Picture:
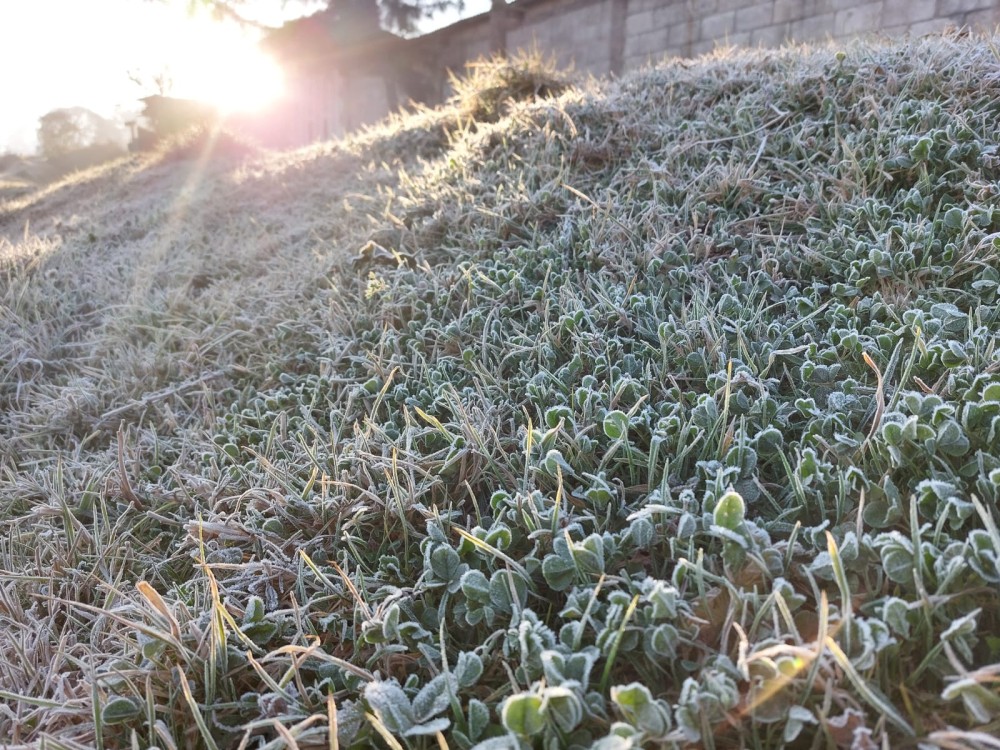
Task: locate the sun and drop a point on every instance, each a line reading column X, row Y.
column 222, row 65
column 238, row 80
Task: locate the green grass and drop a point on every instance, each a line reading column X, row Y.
column 655, row 413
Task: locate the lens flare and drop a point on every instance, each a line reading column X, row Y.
column 221, row 64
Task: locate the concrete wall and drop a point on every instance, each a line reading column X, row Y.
column 575, row 32
column 330, row 98
column 318, row 105
column 612, row 36
column 693, row 27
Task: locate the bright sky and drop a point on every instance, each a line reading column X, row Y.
column 66, row 53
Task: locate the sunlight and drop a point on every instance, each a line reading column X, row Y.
column 240, row 80
column 104, row 49
column 222, row 65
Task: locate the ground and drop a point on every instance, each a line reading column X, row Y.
column 659, row 412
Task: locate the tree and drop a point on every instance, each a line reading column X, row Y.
column 62, row 131
column 75, row 137
column 160, row 81
column 59, row 132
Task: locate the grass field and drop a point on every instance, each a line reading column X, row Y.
column 653, row 413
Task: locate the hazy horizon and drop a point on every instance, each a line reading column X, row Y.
column 88, row 50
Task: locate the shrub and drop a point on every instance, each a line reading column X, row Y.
column 490, row 86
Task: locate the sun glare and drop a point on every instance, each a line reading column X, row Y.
column 222, row 65
column 237, row 80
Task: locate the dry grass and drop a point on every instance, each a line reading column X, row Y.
column 206, row 143
column 490, row 87
column 144, row 278
column 14, row 188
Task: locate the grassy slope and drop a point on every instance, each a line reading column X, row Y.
column 644, row 347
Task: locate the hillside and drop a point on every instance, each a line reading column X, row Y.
column 652, row 413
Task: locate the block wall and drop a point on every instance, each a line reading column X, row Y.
column 602, row 37
column 611, row 36
column 692, row 27
column 573, row 31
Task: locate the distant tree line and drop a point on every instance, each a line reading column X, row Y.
column 74, row 138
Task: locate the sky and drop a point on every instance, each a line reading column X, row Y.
column 67, row 53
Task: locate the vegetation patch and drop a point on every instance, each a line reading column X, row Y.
column 659, row 413
column 490, row 86
column 206, row 142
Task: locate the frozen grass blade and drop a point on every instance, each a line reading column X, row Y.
column 206, row 735
column 871, row 695
column 840, row 576
column 331, row 714
column 616, row 644
column 383, row 732
column 494, row 552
